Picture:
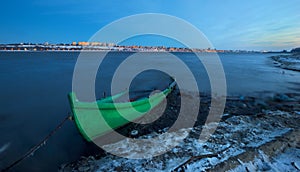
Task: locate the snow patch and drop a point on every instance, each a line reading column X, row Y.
column 231, row 138
column 288, row 161
column 147, row 146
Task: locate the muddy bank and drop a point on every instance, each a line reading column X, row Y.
column 290, row 62
column 247, row 125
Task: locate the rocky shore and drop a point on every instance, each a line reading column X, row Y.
column 290, row 62
column 254, row 134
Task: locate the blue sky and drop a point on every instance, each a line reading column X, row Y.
column 230, row 24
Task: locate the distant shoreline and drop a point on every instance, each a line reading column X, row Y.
column 290, row 62
column 109, row 47
column 125, row 51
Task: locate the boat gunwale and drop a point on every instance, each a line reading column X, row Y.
column 99, row 104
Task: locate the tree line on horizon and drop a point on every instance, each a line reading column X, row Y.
column 295, row 50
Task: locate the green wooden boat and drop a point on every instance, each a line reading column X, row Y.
column 94, row 119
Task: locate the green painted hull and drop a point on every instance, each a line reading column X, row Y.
column 94, row 119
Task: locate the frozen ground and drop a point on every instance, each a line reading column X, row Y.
column 291, row 62
column 289, row 160
column 232, row 140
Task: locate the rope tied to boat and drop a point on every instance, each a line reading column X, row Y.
column 31, row 151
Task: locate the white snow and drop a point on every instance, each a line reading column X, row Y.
column 147, row 146
column 287, row 161
column 232, row 137
column 290, row 60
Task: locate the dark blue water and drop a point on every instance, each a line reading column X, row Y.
column 34, row 88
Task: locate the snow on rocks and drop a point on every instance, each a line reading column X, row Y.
column 233, row 137
column 290, row 62
column 287, row 161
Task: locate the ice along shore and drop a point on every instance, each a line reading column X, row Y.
column 252, row 135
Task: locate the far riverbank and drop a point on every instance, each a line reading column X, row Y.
column 290, row 62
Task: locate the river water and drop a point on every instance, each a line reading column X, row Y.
column 34, row 88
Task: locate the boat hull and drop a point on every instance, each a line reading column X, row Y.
column 94, row 119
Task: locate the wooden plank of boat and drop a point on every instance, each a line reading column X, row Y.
column 94, row 119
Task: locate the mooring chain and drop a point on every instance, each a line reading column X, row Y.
column 39, row 145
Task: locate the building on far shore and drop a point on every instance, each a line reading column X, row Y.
column 100, row 46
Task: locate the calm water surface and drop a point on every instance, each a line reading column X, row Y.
column 34, row 88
